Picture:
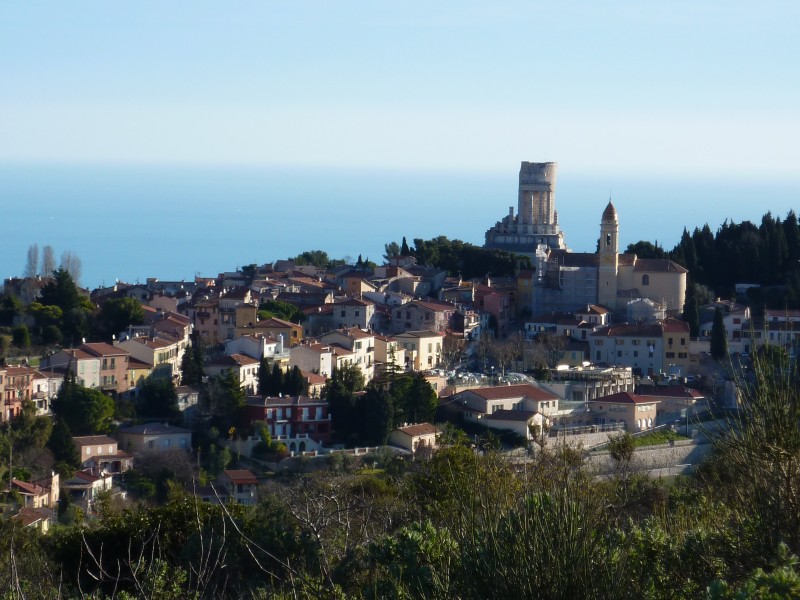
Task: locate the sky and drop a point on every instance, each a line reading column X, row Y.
column 695, row 88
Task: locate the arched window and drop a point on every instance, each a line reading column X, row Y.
column 645, row 279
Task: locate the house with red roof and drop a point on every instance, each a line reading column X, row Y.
column 84, row 486
column 300, row 422
column 414, row 437
column 674, row 398
column 244, row 367
column 101, row 454
column 163, row 353
column 636, row 411
column 477, row 403
column 361, row 345
column 419, row 315
column 239, row 485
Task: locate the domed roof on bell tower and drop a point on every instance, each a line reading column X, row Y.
column 610, row 213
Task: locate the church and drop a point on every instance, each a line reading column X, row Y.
column 568, row 281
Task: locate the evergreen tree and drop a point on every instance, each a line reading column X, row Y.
column 192, row 367
column 791, row 233
column 61, row 291
column 274, row 382
column 85, row 411
column 157, row 399
column 233, row 394
column 294, row 383
column 263, row 376
column 404, row 249
column 117, row 314
column 341, row 392
column 62, row 445
column 377, row 415
column 691, row 310
column 719, row 338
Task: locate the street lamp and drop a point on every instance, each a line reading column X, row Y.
column 493, row 380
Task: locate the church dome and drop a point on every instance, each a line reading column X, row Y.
column 610, row 213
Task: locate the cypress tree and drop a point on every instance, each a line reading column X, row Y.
column 719, row 339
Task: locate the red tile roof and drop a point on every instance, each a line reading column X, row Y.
column 418, row 429
column 625, row 398
column 514, row 391
column 241, row 476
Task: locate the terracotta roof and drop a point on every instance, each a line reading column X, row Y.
column 28, row 488
column 314, row 378
column 673, row 391
column 354, row 302
column 418, row 429
column 270, row 401
column 30, row 516
column 594, row 309
column 102, row 349
column 275, row 322
column 625, row 398
column 93, row 440
column 238, row 360
column 434, row 306
column 675, row 326
column 658, row 265
column 513, row 391
column 356, row 333
column 243, row 476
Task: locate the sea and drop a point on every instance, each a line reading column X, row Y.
column 128, row 223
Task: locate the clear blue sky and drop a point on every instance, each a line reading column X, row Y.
column 691, row 87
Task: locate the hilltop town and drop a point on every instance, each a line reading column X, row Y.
column 229, row 390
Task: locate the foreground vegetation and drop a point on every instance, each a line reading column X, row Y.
column 458, row 525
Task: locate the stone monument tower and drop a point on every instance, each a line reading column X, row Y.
column 536, row 222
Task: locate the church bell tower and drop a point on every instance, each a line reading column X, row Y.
column 609, row 258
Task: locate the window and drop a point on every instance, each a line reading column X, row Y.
column 670, row 355
column 342, row 314
column 683, row 341
column 619, row 353
column 635, row 353
column 669, row 341
column 608, row 239
column 645, row 279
